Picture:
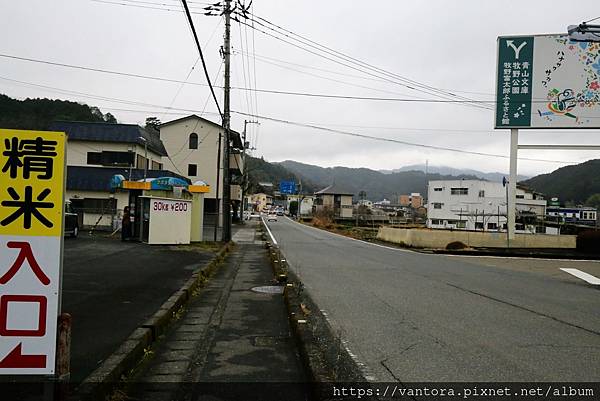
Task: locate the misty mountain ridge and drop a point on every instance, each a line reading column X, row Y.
column 446, row 170
column 376, row 184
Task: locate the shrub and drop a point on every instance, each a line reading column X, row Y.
column 323, row 219
column 456, row 245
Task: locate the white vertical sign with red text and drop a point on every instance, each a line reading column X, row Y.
column 32, row 177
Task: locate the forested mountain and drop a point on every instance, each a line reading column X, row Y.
column 376, row 184
column 259, row 170
column 37, row 114
column 571, row 184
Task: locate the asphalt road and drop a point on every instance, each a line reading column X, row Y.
column 410, row 316
column 111, row 287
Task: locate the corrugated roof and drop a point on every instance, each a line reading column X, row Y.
column 107, row 132
column 98, row 178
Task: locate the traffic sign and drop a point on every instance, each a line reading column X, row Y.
column 547, row 81
column 287, row 187
column 32, row 176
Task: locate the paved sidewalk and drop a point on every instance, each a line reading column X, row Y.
column 233, row 342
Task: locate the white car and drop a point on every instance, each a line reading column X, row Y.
column 272, row 216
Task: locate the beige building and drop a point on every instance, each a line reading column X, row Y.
column 193, row 144
column 260, row 201
column 335, row 199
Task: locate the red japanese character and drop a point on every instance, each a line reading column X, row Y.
column 40, row 331
column 25, row 253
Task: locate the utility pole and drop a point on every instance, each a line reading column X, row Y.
column 244, row 170
column 244, row 177
column 226, row 127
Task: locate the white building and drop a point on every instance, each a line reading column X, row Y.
column 479, row 205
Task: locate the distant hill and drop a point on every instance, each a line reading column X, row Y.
column 571, row 184
column 446, row 170
column 376, row 184
column 260, row 170
column 37, row 114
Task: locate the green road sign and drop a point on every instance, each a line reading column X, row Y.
column 547, row 81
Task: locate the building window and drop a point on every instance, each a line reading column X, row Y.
column 193, row 141
column 94, row 158
column 110, row 158
column 459, row 191
column 520, row 196
column 435, row 222
column 461, row 224
column 438, row 189
column 141, row 162
column 156, row 165
column 492, row 226
column 482, row 194
column 99, row 205
column 437, row 205
column 479, row 225
column 192, row 170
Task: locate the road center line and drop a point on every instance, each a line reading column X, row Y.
column 582, row 275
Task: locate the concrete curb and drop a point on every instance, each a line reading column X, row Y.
column 325, row 359
column 102, row 381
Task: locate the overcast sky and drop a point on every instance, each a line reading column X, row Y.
column 444, row 44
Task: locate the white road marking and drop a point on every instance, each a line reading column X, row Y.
column 269, row 231
column 517, row 257
column 582, row 275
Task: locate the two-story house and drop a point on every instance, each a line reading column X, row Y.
column 194, row 145
column 98, row 151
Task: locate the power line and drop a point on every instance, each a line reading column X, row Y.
column 332, row 79
column 312, row 126
column 248, row 101
column 360, row 62
column 189, row 17
column 194, row 66
column 423, row 88
column 411, row 84
column 270, row 91
column 377, row 138
column 163, row 79
column 252, row 128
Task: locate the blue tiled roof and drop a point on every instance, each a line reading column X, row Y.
column 98, row 178
column 106, row 132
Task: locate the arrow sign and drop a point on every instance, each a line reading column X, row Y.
column 16, row 359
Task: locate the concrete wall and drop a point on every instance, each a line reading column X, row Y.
column 424, row 238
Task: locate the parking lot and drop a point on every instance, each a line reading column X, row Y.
column 111, row 287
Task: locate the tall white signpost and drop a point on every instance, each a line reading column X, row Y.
column 32, row 186
column 544, row 81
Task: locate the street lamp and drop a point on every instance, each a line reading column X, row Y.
column 145, row 156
